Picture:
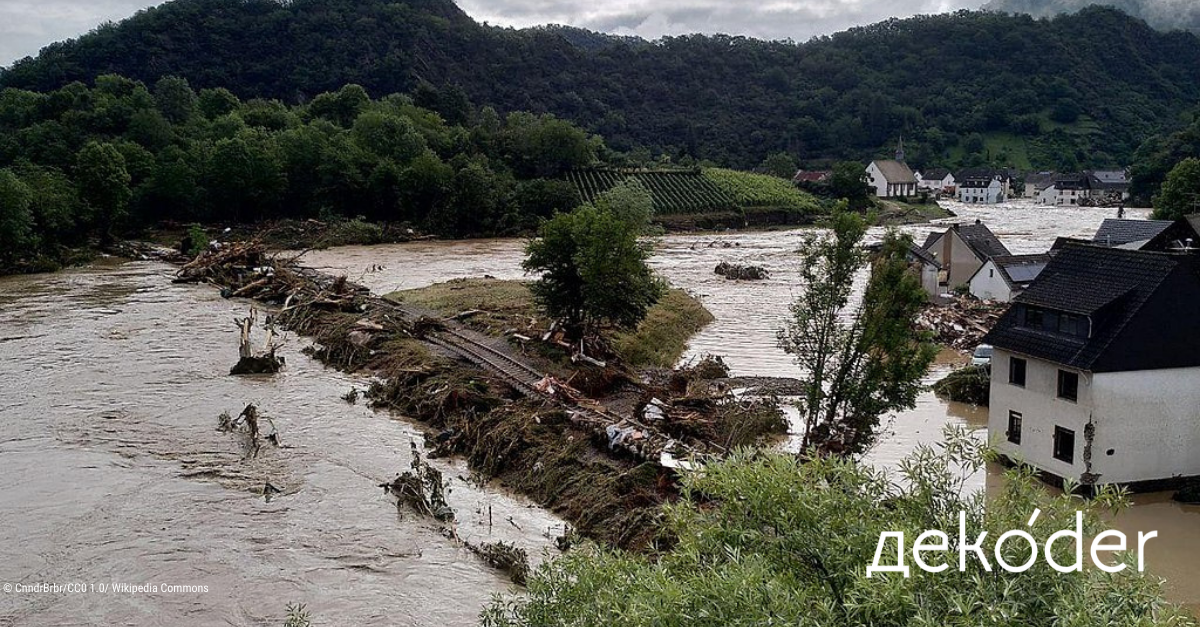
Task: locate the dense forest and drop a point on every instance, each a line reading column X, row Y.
column 85, row 162
column 968, row 88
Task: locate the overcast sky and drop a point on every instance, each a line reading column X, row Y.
column 27, row 25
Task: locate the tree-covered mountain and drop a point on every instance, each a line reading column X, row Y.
column 1161, row 14
column 967, row 88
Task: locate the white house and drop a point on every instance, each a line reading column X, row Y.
column 962, row 250
column 1037, row 182
column 891, row 178
column 981, row 190
column 1002, row 278
column 1096, row 369
column 936, row 181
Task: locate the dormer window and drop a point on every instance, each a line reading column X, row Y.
column 1060, row 323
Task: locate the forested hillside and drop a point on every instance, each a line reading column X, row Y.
column 968, row 88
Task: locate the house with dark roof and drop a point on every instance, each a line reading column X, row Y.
column 986, row 190
column 927, row 267
column 812, row 176
column 1123, row 233
column 1108, row 185
column 1004, row 176
column 1004, row 277
column 1096, row 368
column 1035, row 182
column 1068, row 190
column 937, row 181
column 962, row 249
column 1182, row 236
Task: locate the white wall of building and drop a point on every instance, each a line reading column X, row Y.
column 958, row 262
column 877, row 180
column 1040, row 411
column 992, row 194
column 1149, row 419
column 989, row 284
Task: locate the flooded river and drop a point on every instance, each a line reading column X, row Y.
column 111, row 469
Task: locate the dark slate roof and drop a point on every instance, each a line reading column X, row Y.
column 924, row 255
column 935, row 175
column 1114, row 232
column 1112, row 288
column 931, row 238
column 982, row 241
column 1020, row 270
column 982, row 173
column 896, row 172
column 1040, row 180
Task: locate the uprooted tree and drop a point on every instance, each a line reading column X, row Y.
column 861, row 361
column 593, row 268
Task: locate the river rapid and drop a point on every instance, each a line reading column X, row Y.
column 112, row 470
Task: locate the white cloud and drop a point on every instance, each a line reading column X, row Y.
column 28, row 25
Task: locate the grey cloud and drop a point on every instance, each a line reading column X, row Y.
column 772, row 19
column 26, row 26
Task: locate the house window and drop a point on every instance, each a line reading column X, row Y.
column 1064, row 445
column 1014, row 427
column 991, row 273
column 1016, row 371
column 1068, row 385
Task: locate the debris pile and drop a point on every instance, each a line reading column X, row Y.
column 741, row 273
column 260, row 362
column 961, row 323
column 248, row 423
column 504, row 557
column 423, row 489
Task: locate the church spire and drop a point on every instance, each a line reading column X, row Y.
column 900, row 150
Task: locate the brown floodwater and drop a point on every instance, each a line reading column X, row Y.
column 749, row 314
column 112, row 471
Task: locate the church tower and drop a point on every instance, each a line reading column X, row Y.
column 900, row 150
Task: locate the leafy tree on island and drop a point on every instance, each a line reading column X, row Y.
column 848, row 182
column 863, row 361
column 1180, row 195
column 593, row 268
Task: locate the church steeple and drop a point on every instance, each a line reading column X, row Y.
column 900, row 150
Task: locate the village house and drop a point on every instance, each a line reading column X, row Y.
column 1004, row 277
column 936, row 181
column 1133, row 234
column 1182, row 235
column 927, row 267
column 1108, row 186
column 962, row 250
column 812, row 176
column 1068, row 190
column 986, row 190
column 978, row 174
column 1095, row 375
column 1036, row 182
column 890, row 178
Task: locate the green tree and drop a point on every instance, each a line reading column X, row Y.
column 848, row 182
column 1180, row 195
column 767, row 539
column 175, row 99
column 103, row 185
column 389, row 136
column 16, row 219
column 214, row 103
column 593, row 269
column 630, row 202
column 244, row 178
column 860, row 369
column 780, row 164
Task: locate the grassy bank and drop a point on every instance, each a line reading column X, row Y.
column 894, row 212
column 493, row 306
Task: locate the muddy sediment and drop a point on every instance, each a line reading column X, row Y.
column 599, row 470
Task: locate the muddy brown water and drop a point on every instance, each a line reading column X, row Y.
column 112, row 471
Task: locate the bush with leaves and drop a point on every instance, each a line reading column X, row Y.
column 593, row 268
column 767, row 539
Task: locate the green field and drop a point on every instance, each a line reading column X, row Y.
column 695, row 191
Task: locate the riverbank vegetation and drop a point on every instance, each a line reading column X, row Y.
column 769, row 539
